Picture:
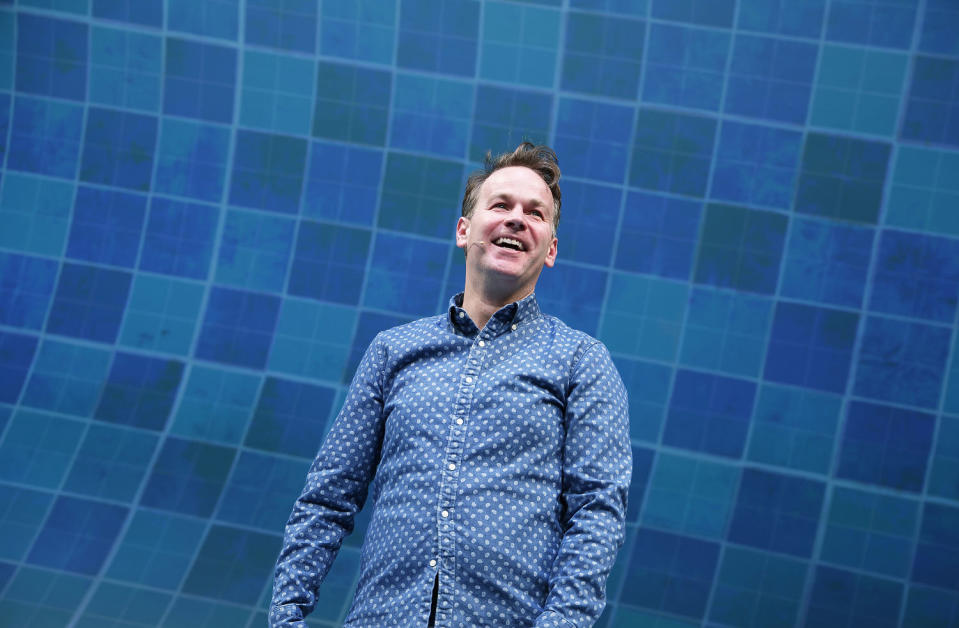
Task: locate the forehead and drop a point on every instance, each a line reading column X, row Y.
column 518, row 182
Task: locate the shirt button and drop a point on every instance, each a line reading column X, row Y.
column 445, row 513
column 452, row 467
column 513, row 326
column 433, row 563
column 469, row 380
column 482, row 344
column 461, row 315
column 459, row 421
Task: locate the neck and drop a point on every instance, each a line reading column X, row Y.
column 482, row 305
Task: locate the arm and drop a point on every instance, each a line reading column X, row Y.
column 596, row 471
column 335, row 490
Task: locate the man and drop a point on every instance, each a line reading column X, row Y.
column 495, row 437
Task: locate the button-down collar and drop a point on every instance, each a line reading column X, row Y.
column 510, row 316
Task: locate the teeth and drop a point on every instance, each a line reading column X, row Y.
column 509, row 241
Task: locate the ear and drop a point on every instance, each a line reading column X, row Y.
column 462, row 231
column 551, row 253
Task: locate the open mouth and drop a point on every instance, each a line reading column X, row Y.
column 509, row 243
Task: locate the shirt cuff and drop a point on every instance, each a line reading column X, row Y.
column 287, row 616
column 552, row 619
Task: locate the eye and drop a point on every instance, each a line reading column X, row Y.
column 500, row 205
column 537, row 213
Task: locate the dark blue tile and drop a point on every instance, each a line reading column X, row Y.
column 51, row 57
column 77, row 535
column 756, row 164
column 902, row 362
column 246, row 556
column 741, row 248
column 285, row 25
column 406, row 274
column 811, row 346
column 140, row 391
column 89, row 302
column 587, row 232
column 188, row 477
column 842, row 177
column 352, row 103
column 843, row 598
column 215, row 19
column 342, row 183
column 827, row 262
column 802, row 18
column 777, row 512
column 179, row 238
column 709, row 413
column 658, row 235
column 672, row 151
column 290, row 417
column 106, row 227
column 603, row 54
column 144, row 12
column 268, row 171
column 916, row 275
column 506, row 116
column 593, row 138
column 574, row 294
column 191, row 159
column 329, row 262
column 118, row 149
column 238, row 327
column 685, row 66
column 872, row 22
column 770, row 78
column 26, row 287
column 417, row 192
column 671, row 573
column 885, row 445
column 16, row 354
column 45, row 136
column 199, row 80
column 939, row 27
column 439, row 37
column 937, row 555
column 704, row 12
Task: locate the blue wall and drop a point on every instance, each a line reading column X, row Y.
column 207, row 209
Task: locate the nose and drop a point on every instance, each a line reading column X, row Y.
column 516, row 219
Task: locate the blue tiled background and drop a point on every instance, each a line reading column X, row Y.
column 208, row 208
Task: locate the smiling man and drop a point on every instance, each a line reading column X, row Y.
column 494, row 438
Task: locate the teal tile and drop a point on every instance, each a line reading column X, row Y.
column 643, row 316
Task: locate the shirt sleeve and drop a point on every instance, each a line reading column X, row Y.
column 336, row 488
column 597, row 466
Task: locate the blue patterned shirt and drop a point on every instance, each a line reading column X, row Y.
column 499, row 462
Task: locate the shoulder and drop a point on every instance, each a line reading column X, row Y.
column 575, row 342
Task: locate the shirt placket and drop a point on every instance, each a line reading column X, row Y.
column 445, row 512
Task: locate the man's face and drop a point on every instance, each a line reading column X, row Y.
column 510, row 235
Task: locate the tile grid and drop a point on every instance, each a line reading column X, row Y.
column 611, row 266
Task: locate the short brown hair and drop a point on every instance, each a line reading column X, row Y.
column 540, row 159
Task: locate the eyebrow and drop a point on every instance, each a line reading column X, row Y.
column 506, row 196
